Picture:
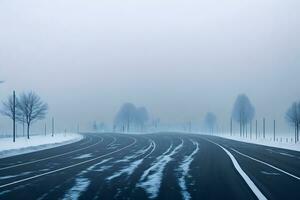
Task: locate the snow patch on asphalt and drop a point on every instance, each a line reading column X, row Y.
column 270, row 173
column 80, row 186
column 128, row 170
column 92, row 168
column 184, row 169
column 35, row 143
column 88, row 155
column 151, row 178
column 135, row 155
column 14, row 176
column 82, row 183
column 282, row 153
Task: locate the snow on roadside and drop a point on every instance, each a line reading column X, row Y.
column 283, row 144
column 184, row 169
column 35, row 143
column 151, row 178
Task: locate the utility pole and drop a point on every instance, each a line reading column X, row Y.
column 256, row 129
column 296, row 130
column 264, row 128
column 45, row 129
column 246, row 130
column 52, row 126
column 14, row 116
column 23, row 123
column 240, row 128
column 274, row 137
column 251, row 130
column 231, row 126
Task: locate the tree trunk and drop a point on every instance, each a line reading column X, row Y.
column 274, row 136
column 256, row 129
column 240, row 128
column 28, row 129
column 297, row 132
column 128, row 124
column 23, row 127
column 264, row 128
column 231, row 126
column 14, row 116
column 244, row 126
column 246, row 130
column 250, row 130
column 295, row 136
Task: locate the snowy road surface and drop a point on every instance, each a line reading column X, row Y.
column 152, row 166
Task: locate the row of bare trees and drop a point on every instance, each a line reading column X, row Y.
column 243, row 113
column 26, row 108
column 293, row 118
column 130, row 117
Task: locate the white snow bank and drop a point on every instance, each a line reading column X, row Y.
column 35, row 143
column 283, row 142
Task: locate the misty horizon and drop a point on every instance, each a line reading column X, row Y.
column 86, row 60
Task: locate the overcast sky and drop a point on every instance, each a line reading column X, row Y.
column 178, row 58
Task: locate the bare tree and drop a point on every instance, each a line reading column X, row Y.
column 210, row 121
column 293, row 118
column 95, row 126
column 141, row 117
column 243, row 112
column 33, row 108
column 129, row 115
column 10, row 109
column 125, row 116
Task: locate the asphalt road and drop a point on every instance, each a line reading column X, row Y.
column 152, row 166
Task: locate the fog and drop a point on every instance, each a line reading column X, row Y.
column 180, row 59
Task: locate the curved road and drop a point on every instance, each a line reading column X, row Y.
column 152, row 166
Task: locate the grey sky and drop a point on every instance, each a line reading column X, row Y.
column 178, row 58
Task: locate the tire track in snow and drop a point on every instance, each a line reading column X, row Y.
column 128, row 170
column 69, row 166
column 184, row 169
column 82, row 183
column 152, row 177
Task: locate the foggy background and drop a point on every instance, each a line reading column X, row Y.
column 178, row 58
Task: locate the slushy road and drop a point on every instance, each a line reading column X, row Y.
column 152, row 166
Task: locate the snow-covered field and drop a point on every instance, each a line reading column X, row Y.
column 281, row 142
column 35, row 143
